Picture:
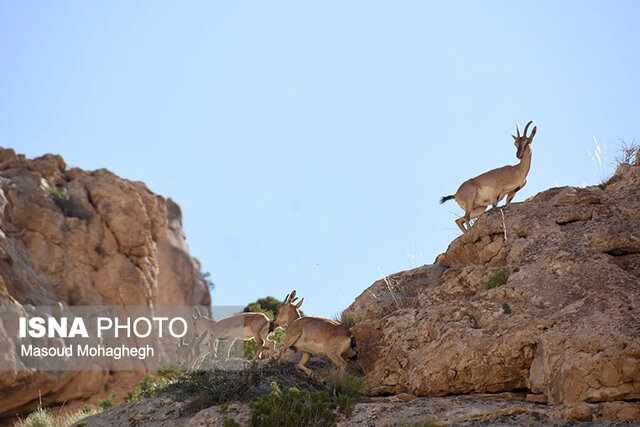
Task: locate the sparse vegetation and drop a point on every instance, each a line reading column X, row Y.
column 41, row 417
column 230, row 422
column 346, row 318
column 345, row 383
column 506, row 309
column 293, row 408
column 109, row 402
column 628, row 153
column 67, row 204
column 497, row 279
column 38, row 418
column 149, row 386
column 348, row 388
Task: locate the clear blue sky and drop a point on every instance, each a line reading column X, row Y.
column 308, row 142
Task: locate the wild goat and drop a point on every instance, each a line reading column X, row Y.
column 313, row 335
column 240, row 326
column 475, row 194
column 190, row 352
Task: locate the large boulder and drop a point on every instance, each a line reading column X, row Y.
column 565, row 326
column 84, row 238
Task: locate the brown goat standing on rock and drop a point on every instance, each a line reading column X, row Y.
column 313, row 335
column 475, row 194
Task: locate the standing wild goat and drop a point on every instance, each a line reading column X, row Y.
column 475, row 194
column 240, row 326
column 313, row 335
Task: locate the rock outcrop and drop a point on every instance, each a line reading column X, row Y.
column 84, row 238
column 565, row 326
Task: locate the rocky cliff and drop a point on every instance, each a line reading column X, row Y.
column 84, row 238
column 541, row 297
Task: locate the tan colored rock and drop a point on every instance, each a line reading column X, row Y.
column 573, row 331
column 84, row 238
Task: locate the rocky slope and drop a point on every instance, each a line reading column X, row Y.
column 564, row 328
column 84, row 238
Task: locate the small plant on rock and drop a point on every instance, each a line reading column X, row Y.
column 497, row 279
column 109, row 402
column 506, row 309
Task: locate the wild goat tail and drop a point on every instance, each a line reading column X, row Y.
column 445, row 198
column 353, row 342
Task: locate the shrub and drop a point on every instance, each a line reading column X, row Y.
column 346, row 318
column 149, row 386
column 346, row 403
column 345, row 383
column 68, row 206
column 293, row 408
column 497, row 279
column 109, row 402
column 628, row 153
column 230, row 422
column 506, row 309
column 38, row 418
column 74, row 417
column 42, row 418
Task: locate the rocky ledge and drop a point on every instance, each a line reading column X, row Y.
column 540, row 297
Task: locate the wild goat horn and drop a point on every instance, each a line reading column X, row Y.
column 527, row 127
column 286, row 299
column 518, row 129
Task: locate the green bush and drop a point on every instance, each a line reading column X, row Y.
column 293, row 408
column 109, row 402
column 346, row 403
column 149, row 386
column 506, row 309
column 345, row 383
column 497, row 279
column 230, row 422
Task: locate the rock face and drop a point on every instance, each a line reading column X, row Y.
column 84, row 238
column 565, row 326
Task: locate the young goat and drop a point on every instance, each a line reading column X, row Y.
column 475, row 194
column 240, row 326
column 313, row 335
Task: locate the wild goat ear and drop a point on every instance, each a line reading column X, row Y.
column 300, row 303
column 514, row 137
column 533, row 132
